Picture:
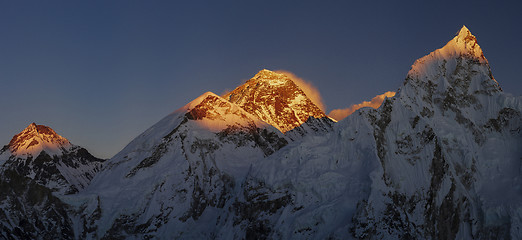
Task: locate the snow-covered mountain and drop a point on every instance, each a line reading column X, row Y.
column 449, row 148
column 39, row 153
column 442, row 159
column 277, row 100
column 36, row 138
column 37, row 167
column 178, row 174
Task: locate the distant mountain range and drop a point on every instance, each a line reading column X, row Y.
column 442, row 159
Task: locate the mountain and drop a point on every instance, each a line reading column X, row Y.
column 439, row 160
column 449, row 151
column 37, row 167
column 39, row 153
column 36, row 138
column 181, row 172
column 277, row 100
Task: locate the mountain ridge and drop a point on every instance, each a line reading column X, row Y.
column 439, row 160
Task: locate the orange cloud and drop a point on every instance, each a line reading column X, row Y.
column 339, row 114
column 308, row 88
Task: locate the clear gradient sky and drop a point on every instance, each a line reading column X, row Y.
column 102, row 72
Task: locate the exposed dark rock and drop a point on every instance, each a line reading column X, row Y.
column 32, row 208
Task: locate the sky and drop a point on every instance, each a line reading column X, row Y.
column 101, row 72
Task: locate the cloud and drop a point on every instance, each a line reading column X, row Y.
column 339, row 114
column 308, row 88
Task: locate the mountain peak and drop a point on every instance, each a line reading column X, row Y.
column 215, row 113
column 271, row 77
column 467, row 42
column 36, row 138
column 32, row 127
column 267, row 73
column 464, row 33
column 196, row 102
column 456, row 73
column 464, row 43
column 276, row 99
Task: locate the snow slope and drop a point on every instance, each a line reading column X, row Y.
column 179, row 173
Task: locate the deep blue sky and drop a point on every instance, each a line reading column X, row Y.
column 101, row 72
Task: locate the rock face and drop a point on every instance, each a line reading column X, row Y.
column 276, row 99
column 29, row 210
column 439, row 160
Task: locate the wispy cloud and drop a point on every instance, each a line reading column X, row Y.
column 339, row 114
column 308, row 88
